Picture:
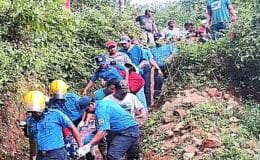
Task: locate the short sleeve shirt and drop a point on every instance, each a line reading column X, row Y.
column 69, row 107
column 107, row 74
column 160, row 54
column 135, row 54
column 130, row 103
column 47, row 132
column 122, row 59
column 219, row 10
column 111, row 116
column 100, row 94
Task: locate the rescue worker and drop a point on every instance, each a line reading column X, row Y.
column 45, row 128
column 121, row 128
column 65, row 101
column 104, row 71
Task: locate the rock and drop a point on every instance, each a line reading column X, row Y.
column 175, row 140
column 198, row 132
column 197, row 142
column 210, row 143
column 167, row 119
column 193, row 99
column 234, row 119
column 190, row 149
column 169, row 113
column 169, row 133
column 167, row 107
column 213, row 92
column 180, row 112
column 226, row 96
column 179, row 126
column 187, row 156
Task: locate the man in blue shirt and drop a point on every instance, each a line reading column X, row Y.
column 218, row 14
column 160, row 53
column 104, row 71
column 122, row 130
column 66, row 102
column 45, row 128
column 138, row 58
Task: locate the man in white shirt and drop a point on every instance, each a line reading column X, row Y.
column 171, row 32
column 127, row 100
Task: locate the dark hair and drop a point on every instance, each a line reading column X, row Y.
column 130, row 67
column 171, row 21
column 112, row 82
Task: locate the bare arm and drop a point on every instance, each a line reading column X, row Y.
column 88, row 117
column 32, row 149
column 98, row 137
column 232, row 12
column 76, row 135
column 208, row 18
column 89, row 85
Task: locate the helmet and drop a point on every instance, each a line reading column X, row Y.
column 100, row 60
column 58, row 88
column 35, row 101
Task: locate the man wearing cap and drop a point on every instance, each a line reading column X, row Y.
column 115, row 55
column 104, row 71
column 171, row 32
column 121, row 128
column 127, row 100
column 138, row 58
column 160, row 53
column 147, row 23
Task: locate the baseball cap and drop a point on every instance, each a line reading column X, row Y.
column 84, row 102
column 124, row 39
column 100, row 59
column 123, row 86
column 110, row 43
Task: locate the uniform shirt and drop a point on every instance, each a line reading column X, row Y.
column 135, row 53
column 100, row 94
column 160, row 54
column 130, row 103
column 47, row 132
column 121, row 58
column 111, row 116
column 218, row 9
column 106, row 74
column 69, row 107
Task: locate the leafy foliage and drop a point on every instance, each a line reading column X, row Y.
column 231, row 63
column 41, row 41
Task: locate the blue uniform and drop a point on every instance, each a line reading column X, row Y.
column 47, row 132
column 147, row 54
column 112, row 116
column 123, row 132
column 100, row 94
column 135, row 54
column 218, row 10
column 69, row 107
column 160, row 54
column 107, row 74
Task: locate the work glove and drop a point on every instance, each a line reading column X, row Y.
column 81, row 124
column 82, row 151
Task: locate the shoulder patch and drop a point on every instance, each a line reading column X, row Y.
column 101, row 122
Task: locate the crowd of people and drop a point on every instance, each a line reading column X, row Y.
column 64, row 125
